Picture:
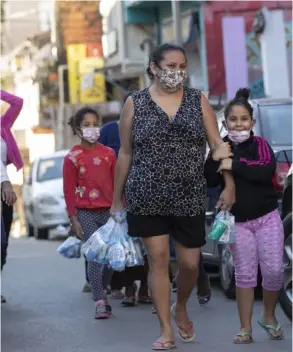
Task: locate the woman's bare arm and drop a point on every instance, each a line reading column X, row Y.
column 125, row 153
column 227, row 197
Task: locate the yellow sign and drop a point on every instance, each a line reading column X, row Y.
column 92, row 85
column 75, row 53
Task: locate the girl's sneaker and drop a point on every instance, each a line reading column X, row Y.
column 102, row 311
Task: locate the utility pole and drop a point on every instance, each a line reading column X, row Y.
column 176, row 16
column 59, row 131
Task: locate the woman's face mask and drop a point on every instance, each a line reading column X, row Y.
column 171, row 80
column 90, row 134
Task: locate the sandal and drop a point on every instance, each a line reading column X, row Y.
column 128, row 301
column 243, row 334
column 186, row 335
column 117, row 294
column 144, row 300
column 154, row 311
column 268, row 327
column 204, row 300
column 163, row 346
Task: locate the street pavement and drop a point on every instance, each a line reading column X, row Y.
column 47, row 312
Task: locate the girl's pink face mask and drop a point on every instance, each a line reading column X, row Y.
column 91, row 134
column 238, row 136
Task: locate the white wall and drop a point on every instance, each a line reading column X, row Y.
column 22, row 22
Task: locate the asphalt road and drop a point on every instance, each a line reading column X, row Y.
column 46, row 312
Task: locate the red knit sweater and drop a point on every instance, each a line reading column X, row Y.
column 88, row 178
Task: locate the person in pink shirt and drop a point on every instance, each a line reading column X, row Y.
column 10, row 154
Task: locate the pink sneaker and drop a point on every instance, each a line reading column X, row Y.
column 101, row 310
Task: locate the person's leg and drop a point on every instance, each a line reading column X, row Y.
column 88, row 221
column 186, row 278
column 270, row 240
column 203, row 283
column 87, row 286
column 3, row 250
column 159, row 283
column 244, row 252
column 6, row 223
column 7, row 213
column 117, row 285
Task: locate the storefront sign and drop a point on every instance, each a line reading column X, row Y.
column 75, row 53
column 92, row 85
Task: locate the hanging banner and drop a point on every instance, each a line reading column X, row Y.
column 75, row 53
column 92, row 85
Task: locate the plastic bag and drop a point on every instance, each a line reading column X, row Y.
column 96, row 247
column 134, row 255
column 223, row 229
column 111, row 245
column 70, row 248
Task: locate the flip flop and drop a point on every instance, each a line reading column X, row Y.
column 128, row 302
column 243, row 342
column 163, row 346
column 268, row 327
column 184, row 334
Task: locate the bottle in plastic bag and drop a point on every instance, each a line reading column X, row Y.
column 219, row 227
column 116, row 257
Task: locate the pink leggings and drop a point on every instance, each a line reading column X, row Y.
column 259, row 241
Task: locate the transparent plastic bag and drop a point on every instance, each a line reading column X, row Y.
column 70, row 248
column 96, row 247
column 223, row 229
column 134, row 256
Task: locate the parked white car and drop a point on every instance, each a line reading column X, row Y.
column 43, row 197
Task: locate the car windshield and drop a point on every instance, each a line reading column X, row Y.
column 50, row 169
column 276, row 122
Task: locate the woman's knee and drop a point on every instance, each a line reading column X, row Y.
column 273, row 277
column 158, row 260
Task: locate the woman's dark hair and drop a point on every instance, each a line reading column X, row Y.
column 158, row 55
column 75, row 121
column 241, row 98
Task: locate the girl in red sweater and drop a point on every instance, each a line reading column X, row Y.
column 88, row 175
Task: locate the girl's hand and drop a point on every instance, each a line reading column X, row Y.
column 76, row 227
column 8, row 194
column 223, row 151
column 226, row 164
column 227, row 199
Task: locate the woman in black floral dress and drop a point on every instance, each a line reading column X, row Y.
column 160, row 170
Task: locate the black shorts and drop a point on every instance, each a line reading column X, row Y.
column 187, row 230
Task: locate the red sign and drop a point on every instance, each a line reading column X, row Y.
column 94, row 50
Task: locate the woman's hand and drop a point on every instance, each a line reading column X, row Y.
column 226, row 164
column 117, row 211
column 8, row 194
column 227, row 198
column 76, row 227
column 223, row 151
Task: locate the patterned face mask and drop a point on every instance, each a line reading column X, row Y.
column 172, row 80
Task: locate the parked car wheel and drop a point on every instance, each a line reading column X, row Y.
column 41, row 234
column 286, row 292
column 227, row 274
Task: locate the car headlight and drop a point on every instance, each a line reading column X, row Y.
column 47, row 201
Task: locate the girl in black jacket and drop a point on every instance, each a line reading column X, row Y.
column 259, row 230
